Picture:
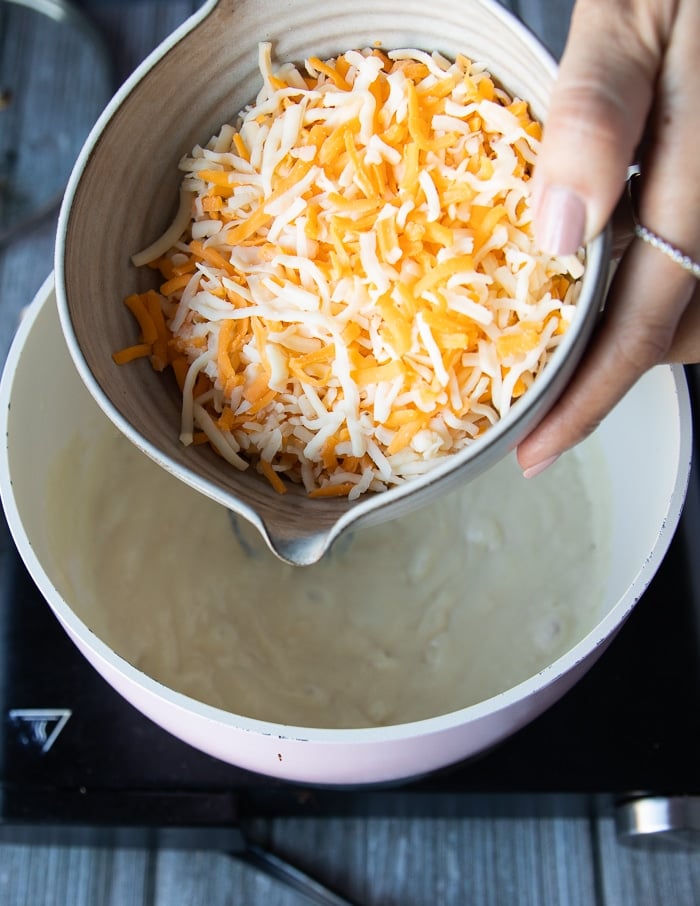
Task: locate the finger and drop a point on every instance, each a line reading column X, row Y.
column 596, row 119
column 631, row 339
column 685, row 348
column 670, row 180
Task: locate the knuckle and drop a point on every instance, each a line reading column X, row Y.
column 642, row 345
column 595, row 113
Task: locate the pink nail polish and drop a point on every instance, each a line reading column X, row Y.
column 531, row 471
column 560, row 221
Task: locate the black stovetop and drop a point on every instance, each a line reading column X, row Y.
column 74, row 754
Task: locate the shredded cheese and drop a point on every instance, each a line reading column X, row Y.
column 351, row 290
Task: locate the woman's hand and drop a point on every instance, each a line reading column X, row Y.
column 629, row 86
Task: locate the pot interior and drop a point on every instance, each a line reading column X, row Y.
column 450, row 606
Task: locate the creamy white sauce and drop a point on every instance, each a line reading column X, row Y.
column 444, row 608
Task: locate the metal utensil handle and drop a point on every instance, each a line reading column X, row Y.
column 275, row 867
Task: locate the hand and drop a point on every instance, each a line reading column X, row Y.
column 629, row 79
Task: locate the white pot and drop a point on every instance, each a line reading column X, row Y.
column 646, row 443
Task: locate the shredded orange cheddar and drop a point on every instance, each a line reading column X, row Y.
column 137, row 306
column 272, row 477
column 131, row 353
column 333, row 490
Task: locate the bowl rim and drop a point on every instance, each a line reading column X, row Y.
column 602, row 632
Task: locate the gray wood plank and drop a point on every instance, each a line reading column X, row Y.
column 215, row 879
column 55, row 81
column 548, row 19
column 446, row 862
column 133, row 30
column 655, row 875
column 23, row 268
column 410, row 862
column 79, row 876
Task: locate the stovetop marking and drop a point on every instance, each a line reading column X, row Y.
column 33, row 725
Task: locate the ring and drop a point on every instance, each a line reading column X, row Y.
column 652, row 239
column 656, row 241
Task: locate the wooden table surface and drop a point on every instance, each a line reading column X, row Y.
column 392, row 862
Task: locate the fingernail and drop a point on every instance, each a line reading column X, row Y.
column 540, row 466
column 560, row 221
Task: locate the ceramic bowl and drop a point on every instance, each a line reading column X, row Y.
column 125, row 186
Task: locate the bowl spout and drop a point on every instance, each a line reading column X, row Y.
column 286, row 541
column 299, row 550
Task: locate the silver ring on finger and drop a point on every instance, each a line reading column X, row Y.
column 654, row 240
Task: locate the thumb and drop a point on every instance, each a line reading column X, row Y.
column 596, row 118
